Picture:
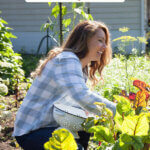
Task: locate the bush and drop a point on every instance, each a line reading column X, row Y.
column 10, row 62
column 3, row 89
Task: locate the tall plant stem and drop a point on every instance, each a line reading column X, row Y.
column 133, row 63
column 60, row 22
column 127, row 74
column 88, row 8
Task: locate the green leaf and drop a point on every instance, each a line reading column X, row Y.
column 123, row 106
column 10, row 35
column 136, row 125
column 64, row 10
column 66, row 22
column 109, row 112
column 118, row 121
column 137, row 142
column 85, row 15
column 3, row 21
column 102, row 134
column 55, row 10
column 121, row 98
column 74, row 5
column 146, row 139
column 79, row 5
column 49, row 4
column 90, row 17
column 88, row 123
column 126, row 142
column 61, row 139
column 138, row 110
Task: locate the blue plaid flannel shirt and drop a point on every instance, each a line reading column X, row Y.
column 62, row 77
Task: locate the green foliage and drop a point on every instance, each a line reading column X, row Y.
column 61, row 139
column 104, row 119
column 69, row 17
column 102, row 133
column 124, row 106
column 136, row 125
column 89, row 122
column 127, row 142
column 128, row 131
column 30, row 62
column 10, row 62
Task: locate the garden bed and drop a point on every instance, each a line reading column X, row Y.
column 114, row 80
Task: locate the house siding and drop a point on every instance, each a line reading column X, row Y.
column 27, row 18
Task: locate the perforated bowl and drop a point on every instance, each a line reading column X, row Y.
column 69, row 117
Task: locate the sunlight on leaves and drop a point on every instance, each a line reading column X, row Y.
column 61, row 139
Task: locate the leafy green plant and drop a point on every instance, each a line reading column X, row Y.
column 61, row 139
column 130, row 131
column 10, row 62
column 69, row 17
column 29, row 63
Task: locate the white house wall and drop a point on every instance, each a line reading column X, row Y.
column 27, row 18
column 117, row 15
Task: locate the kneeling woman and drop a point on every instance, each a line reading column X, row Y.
column 62, row 74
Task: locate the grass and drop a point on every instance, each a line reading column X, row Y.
column 30, row 63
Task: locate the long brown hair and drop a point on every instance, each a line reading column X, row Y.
column 77, row 43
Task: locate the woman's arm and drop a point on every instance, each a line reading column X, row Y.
column 69, row 77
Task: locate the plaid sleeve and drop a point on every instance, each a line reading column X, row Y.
column 69, row 77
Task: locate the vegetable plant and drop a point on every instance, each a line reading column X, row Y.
column 61, row 139
column 129, row 130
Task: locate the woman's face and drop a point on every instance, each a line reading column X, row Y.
column 96, row 45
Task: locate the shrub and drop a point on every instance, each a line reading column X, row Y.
column 10, row 62
column 3, row 89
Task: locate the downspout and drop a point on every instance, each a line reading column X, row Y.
column 143, row 33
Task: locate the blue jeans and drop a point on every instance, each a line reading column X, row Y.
column 36, row 139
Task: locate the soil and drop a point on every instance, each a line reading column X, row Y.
column 7, row 142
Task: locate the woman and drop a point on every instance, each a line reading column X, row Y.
column 62, row 73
